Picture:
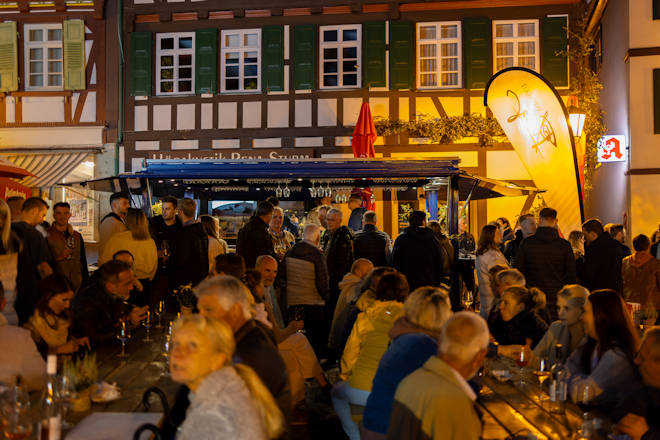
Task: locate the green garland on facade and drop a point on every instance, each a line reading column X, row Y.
column 443, row 130
column 586, row 85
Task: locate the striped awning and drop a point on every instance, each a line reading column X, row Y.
column 48, row 165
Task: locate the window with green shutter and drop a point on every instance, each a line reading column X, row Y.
column 272, row 65
column 8, row 57
column 477, row 52
column 402, row 55
column 304, row 57
column 141, row 50
column 656, row 101
column 555, row 43
column 206, row 60
column 74, row 54
column 373, row 54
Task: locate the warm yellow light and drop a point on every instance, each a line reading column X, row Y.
column 576, row 118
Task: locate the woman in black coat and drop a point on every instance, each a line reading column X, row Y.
column 518, row 323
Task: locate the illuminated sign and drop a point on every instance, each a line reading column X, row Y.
column 535, row 121
column 612, row 148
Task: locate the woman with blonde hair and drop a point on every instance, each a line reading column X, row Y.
column 9, row 247
column 217, row 246
column 414, row 340
column 488, row 255
column 227, row 400
column 139, row 243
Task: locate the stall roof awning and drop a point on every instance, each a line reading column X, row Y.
column 216, row 179
column 49, row 165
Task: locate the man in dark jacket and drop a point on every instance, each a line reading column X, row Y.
column 618, row 232
column 417, row 253
column 528, row 227
column 547, row 260
column 372, row 244
column 224, row 297
column 357, row 212
column 99, row 307
column 602, row 258
column 164, row 229
column 189, row 262
column 338, row 252
column 639, row 414
column 253, row 238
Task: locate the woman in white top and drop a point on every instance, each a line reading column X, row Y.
column 217, row 246
column 138, row 242
column 488, row 255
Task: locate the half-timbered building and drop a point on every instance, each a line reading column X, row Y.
column 53, row 95
column 276, row 79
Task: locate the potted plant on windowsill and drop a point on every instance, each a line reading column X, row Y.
column 82, row 374
column 186, row 298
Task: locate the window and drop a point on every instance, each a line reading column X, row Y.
column 340, row 56
column 438, row 57
column 43, row 56
column 516, row 44
column 175, row 55
column 241, row 60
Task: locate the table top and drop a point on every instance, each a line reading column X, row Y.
column 510, row 410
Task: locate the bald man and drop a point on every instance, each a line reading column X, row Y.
column 267, row 266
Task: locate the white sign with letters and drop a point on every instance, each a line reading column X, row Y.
column 612, row 148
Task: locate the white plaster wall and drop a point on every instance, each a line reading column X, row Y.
column 146, row 145
column 252, row 114
column 644, row 31
column 185, row 117
column 162, row 117
column 327, row 111
column 89, row 109
column 10, row 106
column 207, row 116
column 351, row 111
column 227, row 114
column 380, row 107
column 185, row 144
column 303, row 111
column 505, row 165
column 140, row 117
column 267, row 143
column 309, row 141
column 644, row 206
column 278, row 114
column 226, row 143
column 49, row 136
column 644, row 144
column 43, row 109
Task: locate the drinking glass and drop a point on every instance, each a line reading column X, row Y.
column 522, row 359
column 70, row 243
column 165, row 246
column 542, row 374
column 467, row 299
column 123, row 335
column 64, row 391
column 17, row 423
column 160, row 311
column 299, row 315
column 147, row 325
column 165, row 352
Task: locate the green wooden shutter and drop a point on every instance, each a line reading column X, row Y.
column 206, row 60
column 272, row 59
column 8, row 57
column 555, row 41
column 656, row 101
column 477, row 52
column 304, row 56
column 373, row 54
column 141, row 61
column 402, row 55
column 74, row 54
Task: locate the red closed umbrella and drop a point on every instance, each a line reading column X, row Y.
column 363, row 140
column 364, row 134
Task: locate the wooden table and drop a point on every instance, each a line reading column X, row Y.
column 144, row 367
column 510, row 410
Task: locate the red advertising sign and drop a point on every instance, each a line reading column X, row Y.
column 11, row 188
column 612, row 148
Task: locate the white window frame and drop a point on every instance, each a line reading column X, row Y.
column 438, row 41
column 241, row 63
column 339, row 45
column 175, row 52
column 515, row 40
column 45, row 45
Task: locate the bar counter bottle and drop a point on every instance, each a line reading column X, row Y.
column 51, row 417
column 559, row 384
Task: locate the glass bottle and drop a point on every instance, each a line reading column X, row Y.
column 51, row 418
column 559, row 385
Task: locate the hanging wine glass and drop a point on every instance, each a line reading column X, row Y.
column 286, row 191
column 312, row 190
column 344, row 198
column 278, row 191
column 338, row 198
column 373, row 198
column 328, row 191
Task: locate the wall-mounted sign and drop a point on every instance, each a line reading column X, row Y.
column 535, row 121
column 612, row 148
column 257, row 153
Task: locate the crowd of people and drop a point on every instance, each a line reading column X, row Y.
column 296, row 300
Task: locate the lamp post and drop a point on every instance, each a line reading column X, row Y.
column 576, row 117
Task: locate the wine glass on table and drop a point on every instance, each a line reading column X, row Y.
column 17, row 423
column 467, row 299
column 299, row 315
column 160, row 311
column 123, row 335
column 64, row 391
column 542, row 374
column 522, row 359
column 147, row 325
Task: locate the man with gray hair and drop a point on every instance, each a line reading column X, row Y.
column 226, row 298
column 306, row 277
column 435, row 401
